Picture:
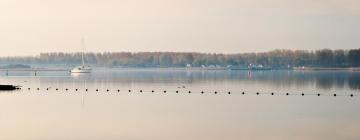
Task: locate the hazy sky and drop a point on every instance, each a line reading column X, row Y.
column 28, row 27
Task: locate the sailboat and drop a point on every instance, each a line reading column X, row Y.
column 83, row 68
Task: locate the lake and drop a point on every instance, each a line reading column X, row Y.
column 143, row 104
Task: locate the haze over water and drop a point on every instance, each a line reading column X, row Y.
column 40, row 114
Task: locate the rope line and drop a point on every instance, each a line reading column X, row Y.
column 193, row 91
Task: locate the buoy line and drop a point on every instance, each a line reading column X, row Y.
column 183, row 91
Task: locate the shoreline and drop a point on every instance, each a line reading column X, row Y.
column 354, row 69
column 327, row 69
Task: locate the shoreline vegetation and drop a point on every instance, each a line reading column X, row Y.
column 352, row 69
column 324, row 59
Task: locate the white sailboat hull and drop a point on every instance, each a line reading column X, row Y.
column 81, row 69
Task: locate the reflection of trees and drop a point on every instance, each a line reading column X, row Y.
column 321, row 80
column 326, row 81
column 354, row 81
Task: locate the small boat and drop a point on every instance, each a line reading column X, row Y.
column 83, row 68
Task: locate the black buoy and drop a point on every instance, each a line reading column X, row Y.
column 76, row 89
column 272, row 93
column 47, row 88
column 164, row 91
column 202, row 92
column 66, row 89
column 56, row 89
column 152, row 91
column 351, row 95
column 28, row 88
column 86, row 89
column 177, row 91
column 97, row 90
column 243, row 93
column 118, row 90
column 302, row 94
column 318, row 94
column 129, row 90
column 334, row 95
column 140, row 91
column 189, row 91
column 287, row 93
column 107, row 90
column 257, row 93
column 38, row 88
column 215, row 92
column 229, row 92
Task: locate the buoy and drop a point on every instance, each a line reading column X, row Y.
column 28, row 88
column 152, row 91
column 287, row 93
column 66, row 89
column 140, row 90
column 229, row 92
column 129, row 90
column 272, row 93
column 351, row 95
column 164, row 91
column 97, row 90
column 107, row 90
column 243, row 93
column 189, row 91
column 302, row 94
column 202, row 92
column 177, row 91
column 86, row 89
column 318, row 94
column 215, row 92
column 56, row 89
column 334, row 95
column 38, row 89
column 76, row 89
column 118, row 90
column 257, row 93
column 47, row 88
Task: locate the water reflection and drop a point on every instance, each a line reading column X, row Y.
column 318, row 80
column 91, row 115
column 277, row 79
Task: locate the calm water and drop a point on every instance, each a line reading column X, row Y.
column 62, row 115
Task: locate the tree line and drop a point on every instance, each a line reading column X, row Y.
column 273, row 59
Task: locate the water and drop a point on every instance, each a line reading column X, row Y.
column 61, row 115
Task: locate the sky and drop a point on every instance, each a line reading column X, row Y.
column 29, row 27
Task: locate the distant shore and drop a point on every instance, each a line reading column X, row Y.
column 12, row 68
column 327, row 69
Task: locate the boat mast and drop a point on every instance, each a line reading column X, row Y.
column 82, row 53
